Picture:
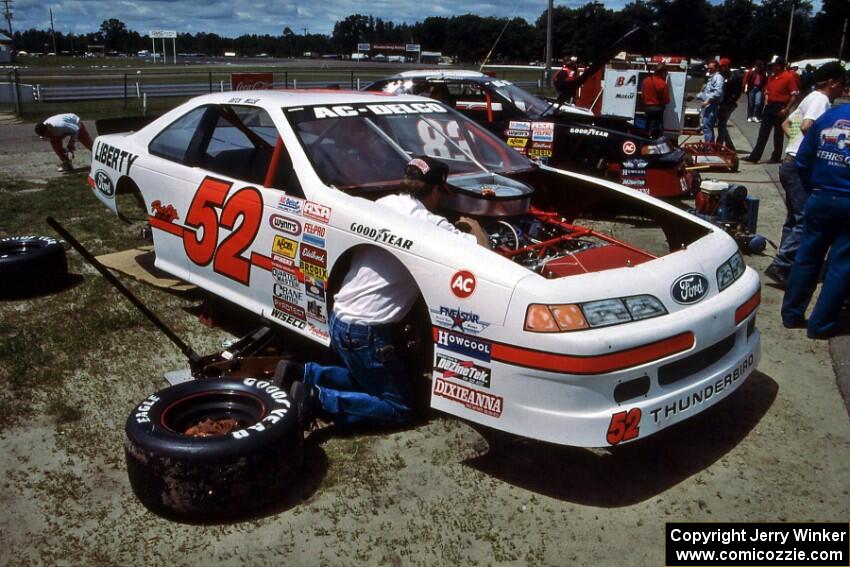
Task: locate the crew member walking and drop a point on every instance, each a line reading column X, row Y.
column 710, row 96
column 781, row 92
column 56, row 128
column 656, row 97
column 824, row 165
column 828, row 80
column 754, row 81
column 728, row 103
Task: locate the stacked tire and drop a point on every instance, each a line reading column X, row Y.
column 216, row 478
column 30, row 265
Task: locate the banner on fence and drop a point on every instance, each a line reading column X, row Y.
column 251, row 81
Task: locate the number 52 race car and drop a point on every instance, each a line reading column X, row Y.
column 596, row 315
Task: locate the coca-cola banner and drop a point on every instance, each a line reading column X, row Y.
column 251, row 81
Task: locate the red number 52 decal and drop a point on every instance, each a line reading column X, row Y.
column 202, row 246
column 624, row 426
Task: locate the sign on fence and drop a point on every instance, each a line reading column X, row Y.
column 251, row 81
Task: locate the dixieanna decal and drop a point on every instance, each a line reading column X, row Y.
column 476, row 400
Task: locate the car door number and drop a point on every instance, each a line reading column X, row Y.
column 202, row 245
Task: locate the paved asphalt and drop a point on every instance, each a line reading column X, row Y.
column 839, row 347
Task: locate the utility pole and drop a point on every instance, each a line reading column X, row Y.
column 7, row 12
column 53, row 33
column 843, row 35
column 790, row 28
column 548, row 71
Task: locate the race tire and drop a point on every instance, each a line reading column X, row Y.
column 208, row 479
column 31, row 264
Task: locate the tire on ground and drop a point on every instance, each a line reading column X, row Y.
column 214, row 478
column 31, row 264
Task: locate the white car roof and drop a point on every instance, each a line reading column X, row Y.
column 457, row 74
column 305, row 97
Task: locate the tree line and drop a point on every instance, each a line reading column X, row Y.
column 740, row 29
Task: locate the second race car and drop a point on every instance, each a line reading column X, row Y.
column 562, row 135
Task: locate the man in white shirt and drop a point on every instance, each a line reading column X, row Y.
column 56, row 128
column 829, row 80
column 376, row 295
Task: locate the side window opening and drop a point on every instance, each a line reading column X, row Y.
column 174, row 141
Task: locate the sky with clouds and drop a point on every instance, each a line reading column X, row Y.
column 236, row 17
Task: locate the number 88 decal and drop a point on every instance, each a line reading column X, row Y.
column 624, row 426
column 201, row 245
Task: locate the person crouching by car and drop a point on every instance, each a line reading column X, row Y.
column 374, row 387
column 656, row 97
column 56, row 129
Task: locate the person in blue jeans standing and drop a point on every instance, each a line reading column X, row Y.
column 374, row 387
column 712, row 93
column 823, row 160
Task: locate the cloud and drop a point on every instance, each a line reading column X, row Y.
column 236, row 17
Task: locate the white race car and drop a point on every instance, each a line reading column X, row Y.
column 557, row 331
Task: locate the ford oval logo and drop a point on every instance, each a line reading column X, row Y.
column 689, row 288
column 103, row 183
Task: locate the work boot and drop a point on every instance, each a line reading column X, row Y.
column 287, row 372
column 779, row 276
column 305, row 398
column 65, row 167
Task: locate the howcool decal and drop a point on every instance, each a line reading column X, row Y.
column 463, row 344
column 482, row 402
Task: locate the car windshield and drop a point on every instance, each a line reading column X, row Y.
column 534, row 107
column 367, row 145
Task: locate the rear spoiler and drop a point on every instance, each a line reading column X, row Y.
column 122, row 124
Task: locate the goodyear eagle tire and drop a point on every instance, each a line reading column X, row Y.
column 31, row 264
column 224, row 477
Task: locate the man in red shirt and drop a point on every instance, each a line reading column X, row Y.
column 781, row 93
column 656, row 97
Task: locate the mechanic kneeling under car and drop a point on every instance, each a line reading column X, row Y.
column 374, row 388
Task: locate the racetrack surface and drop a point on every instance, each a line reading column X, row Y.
column 73, row 365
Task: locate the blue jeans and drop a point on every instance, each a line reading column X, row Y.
column 826, row 227
column 373, row 387
column 755, row 101
column 709, row 121
column 795, row 203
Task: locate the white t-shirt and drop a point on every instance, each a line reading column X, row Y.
column 64, row 124
column 812, row 107
column 378, row 288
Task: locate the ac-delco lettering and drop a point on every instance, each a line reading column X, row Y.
column 694, row 399
column 382, row 235
column 113, row 157
column 345, row 110
column 475, row 400
column 466, row 370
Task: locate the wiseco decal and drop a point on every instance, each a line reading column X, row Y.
column 475, row 400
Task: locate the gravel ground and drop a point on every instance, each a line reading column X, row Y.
column 440, row 493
